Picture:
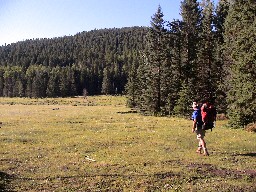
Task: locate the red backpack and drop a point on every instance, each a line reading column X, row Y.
column 208, row 113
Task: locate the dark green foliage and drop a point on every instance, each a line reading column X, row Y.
column 106, row 83
column 189, row 70
column 221, row 70
column 76, row 62
column 205, row 69
column 53, row 89
column 67, row 84
column 155, row 59
column 153, row 88
column 183, row 105
column 2, row 70
column 186, row 62
column 132, row 87
column 240, row 52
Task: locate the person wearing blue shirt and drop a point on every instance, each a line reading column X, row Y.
column 197, row 128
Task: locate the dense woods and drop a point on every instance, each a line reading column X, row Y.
column 209, row 54
column 97, row 61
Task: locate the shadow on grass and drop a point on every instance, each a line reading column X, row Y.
column 248, row 154
column 158, row 175
column 127, row 112
column 5, row 180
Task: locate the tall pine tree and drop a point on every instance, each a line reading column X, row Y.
column 106, row 83
column 221, row 72
column 205, row 69
column 157, row 66
column 191, row 20
column 240, row 46
column 133, row 86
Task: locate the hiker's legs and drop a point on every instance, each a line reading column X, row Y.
column 203, row 144
column 199, row 148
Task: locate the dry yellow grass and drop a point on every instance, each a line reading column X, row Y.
column 99, row 145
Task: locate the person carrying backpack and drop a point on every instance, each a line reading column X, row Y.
column 197, row 128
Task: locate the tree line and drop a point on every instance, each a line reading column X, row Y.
column 97, row 61
column 209, row 54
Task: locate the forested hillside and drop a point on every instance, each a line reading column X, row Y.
column 65, row 66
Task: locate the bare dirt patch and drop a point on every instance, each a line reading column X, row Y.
column 214, row 171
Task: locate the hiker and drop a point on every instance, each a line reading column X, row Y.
column 197, row 128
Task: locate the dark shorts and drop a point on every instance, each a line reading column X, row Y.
column 200, row 133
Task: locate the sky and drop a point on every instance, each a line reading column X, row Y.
column 28, row 19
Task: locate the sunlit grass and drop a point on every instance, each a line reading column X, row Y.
column 99, row 144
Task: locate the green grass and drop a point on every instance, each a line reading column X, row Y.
column 47, row 144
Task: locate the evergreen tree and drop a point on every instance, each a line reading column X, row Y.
column 1, row 81
column 221, row 71
column 191, row 18
column 240, row 46
column 35, row 87
column 9, row 82
column 72, row 81
column 106, row 83
column 176, row 44
column 183, row 105
column 30, row 74
column 220, row 16
column 64, row 85
column 156, row 63
column 19, row 86
column 191, row 22
column 53, row 89
column 205, row 69
column 175, row 71
column 38, row 80
column 140, row 85
column 133, row 87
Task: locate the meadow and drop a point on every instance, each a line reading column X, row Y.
column 98, row 144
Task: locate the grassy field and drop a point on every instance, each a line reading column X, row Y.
column 101, row 145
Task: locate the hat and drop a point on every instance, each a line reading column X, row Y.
column 194, row 105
